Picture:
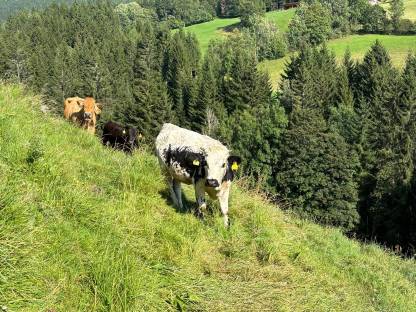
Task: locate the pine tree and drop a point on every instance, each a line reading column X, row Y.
column 387, row 161
column 151, row 106
column 310, row 81
column 180, row 71
column 317, row 171
column 63, row 75
column 343, row 117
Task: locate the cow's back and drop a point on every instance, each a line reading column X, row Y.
column 176, row 137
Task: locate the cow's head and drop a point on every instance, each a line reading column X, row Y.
column 221, row 169
column 91, row 109
column 132, row 137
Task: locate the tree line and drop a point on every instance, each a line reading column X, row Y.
column 337, row 142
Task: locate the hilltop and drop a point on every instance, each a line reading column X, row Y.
column 86, row 228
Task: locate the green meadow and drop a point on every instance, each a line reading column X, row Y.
column 398, row 47
column 221, row 27
column 410, row 9
column 87, row 228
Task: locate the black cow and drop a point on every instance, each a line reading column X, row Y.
column 120, row 137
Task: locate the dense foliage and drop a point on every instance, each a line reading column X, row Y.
column 310, row 25
column 337, row 142
column 350, row 139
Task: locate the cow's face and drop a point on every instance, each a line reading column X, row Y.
column 221, row 169
column 89, row 109
column 132, row 137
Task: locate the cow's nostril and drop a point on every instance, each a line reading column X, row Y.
column 212, row 183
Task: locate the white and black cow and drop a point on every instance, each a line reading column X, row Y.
column 189, row 157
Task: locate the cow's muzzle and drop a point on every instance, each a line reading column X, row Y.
column 212, row 183
column 87, row 116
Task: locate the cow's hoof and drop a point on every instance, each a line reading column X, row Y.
column 199, row 214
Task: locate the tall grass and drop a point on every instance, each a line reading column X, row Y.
column 86, row 228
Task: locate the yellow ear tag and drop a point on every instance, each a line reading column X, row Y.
column 234, row 167
column 196, row 162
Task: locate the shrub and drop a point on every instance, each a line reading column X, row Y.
column 310, row 25
column 269, row 42
column 406, row 26
column 375, row 20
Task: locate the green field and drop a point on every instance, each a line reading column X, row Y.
column 86, row 228
column 221, row 27
column 410, row 9
column 205, row 32
column 398, row 47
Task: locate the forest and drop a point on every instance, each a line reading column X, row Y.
column 336, row 143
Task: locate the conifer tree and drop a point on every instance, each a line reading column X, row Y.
column 317, row 171
column 310, row 81
column 150, row 107
column 180, row 71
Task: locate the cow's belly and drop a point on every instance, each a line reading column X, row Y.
column 180, row 175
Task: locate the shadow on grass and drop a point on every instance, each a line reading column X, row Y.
column 189, row 206
column 230, row 28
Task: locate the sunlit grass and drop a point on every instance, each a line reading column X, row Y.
column 86, row 228
column 221, row 27
column 397, row 46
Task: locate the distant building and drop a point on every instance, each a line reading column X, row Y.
column 286, row 4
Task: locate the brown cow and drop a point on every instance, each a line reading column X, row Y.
column 82, row 112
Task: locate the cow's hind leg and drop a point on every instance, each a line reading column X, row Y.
column 173, row 196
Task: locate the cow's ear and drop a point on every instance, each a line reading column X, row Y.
column 234, row 162
column 98, row 107
column 80, row 104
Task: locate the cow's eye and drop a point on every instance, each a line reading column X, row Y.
column 223, row 165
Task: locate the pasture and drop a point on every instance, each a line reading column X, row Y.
column 87, row 228
column 221, row 27
column 397, row 46
column 410, row 9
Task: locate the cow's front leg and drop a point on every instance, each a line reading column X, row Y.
column 178, row 192
column 200, row 198
column 223, row 199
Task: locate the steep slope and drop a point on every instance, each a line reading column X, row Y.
column 85, row 228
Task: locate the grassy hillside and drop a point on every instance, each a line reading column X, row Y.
column 85, row 228
column 221, row 27
column 398, row 47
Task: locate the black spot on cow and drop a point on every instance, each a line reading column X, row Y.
column 193, row 163
column 232, row 165
column 120, row 137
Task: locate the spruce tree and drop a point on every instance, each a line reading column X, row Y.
column 317, row 171
column 151, row 106
column 310, row 81
column 180, row 70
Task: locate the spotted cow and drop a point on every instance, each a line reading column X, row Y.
column 189, row 157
